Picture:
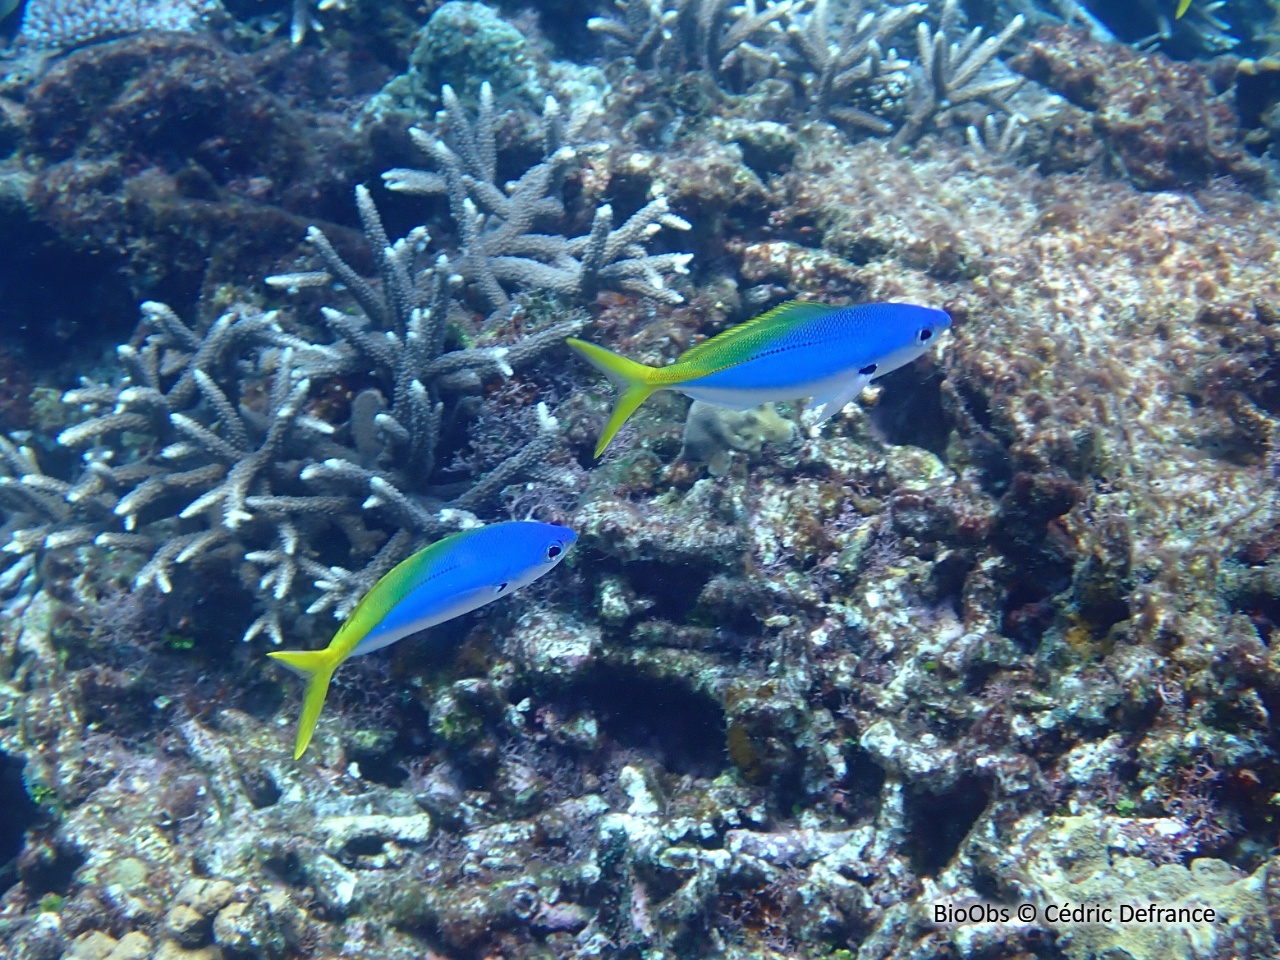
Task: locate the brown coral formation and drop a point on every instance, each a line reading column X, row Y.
column 1165, row 124
column 180, row 163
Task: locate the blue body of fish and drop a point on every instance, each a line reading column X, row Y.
column 829, row 355
column 797, row 350
column 445, row 580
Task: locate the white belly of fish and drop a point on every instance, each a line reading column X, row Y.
column 842, row 387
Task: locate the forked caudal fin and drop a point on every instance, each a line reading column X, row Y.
column 634, row 380
column 317, row 667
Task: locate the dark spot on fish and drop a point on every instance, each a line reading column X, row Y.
column 868, row 370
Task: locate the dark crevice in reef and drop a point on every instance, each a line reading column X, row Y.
column 1263, row 612
column 673, row 588
column 20, row 813
column 287, row 866
column 937, row 823
column 1042, row 559
column 1028, row 613
column 678, row 727
column 260, row 787
column 910, row 411
column 383, row 767
column 861, row 787
column 47, row 319
column 46, row 866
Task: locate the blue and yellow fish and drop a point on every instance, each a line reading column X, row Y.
column 796, row 350
column 445, row 580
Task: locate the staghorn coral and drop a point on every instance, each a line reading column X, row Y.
column 853, row 59
column 205, row 484
column 213, row 447
column 1202, row 26
column 499, row 249
column 995, row 140
column 954, row 72
column 701, row 34
column 850, row 61
column 1206, row 28
column 302, row 18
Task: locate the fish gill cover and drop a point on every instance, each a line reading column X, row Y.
column 998, row 635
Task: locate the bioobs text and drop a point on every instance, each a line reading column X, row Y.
column 1057, row 914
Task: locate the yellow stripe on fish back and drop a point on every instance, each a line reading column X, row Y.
column 389, row 591
column 741, row 342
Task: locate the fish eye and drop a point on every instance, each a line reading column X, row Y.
column 554, row 551
column 925, row 335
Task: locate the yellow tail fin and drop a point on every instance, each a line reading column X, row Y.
column 635, row 380
column 317, row 666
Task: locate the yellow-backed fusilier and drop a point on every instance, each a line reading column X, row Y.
column 796, row 350
column 445, row 580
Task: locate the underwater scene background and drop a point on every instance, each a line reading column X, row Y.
column 980, row 667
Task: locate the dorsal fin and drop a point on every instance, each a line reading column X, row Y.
column 780, row 317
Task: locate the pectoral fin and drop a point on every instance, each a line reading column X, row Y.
column 833, row 403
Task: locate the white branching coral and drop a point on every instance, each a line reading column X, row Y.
column 856, row 75
column 995, row 139
column 710, row 34
column 213, row 448
column 499, row 249
column 303, row 18
column 957, row 69
column 857, row 60
column 206, row 452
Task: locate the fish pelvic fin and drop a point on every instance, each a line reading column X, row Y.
column 317, row 667
column 1183, row 7
column 634, row 380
